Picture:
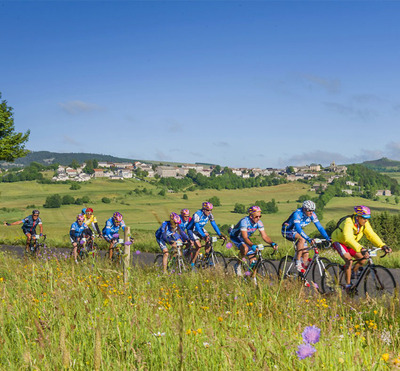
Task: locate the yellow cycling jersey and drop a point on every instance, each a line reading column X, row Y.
column 349, row 233
column 90, row 221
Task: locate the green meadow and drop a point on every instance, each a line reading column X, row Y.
column 57, row 315
column 143, row 213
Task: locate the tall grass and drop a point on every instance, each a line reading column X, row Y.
column 55, row 314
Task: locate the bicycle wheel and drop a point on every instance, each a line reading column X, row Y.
column 217, row 261
column 379, row 281
column 234, row 267
column 333, row 278
column 318, row 271
column 267, row 270
column 287, row 268
column 158, row 262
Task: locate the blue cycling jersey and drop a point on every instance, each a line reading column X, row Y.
column 199, row 220
column 183, row 223
column 167, row 233
column 298, row 220
column 77, row 230
column 110, row 228
column 29, row 224
column 246, row 224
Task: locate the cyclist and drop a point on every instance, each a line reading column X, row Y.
column 196, row 230
column 29, row 225
column 346, row 239
column 76, row 233
column 91, row 220
column 292, row 230
column 169, row 233
column 185, row 220
column 111, row 228
column 243, row 230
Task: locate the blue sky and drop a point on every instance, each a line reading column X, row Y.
column 263, row 83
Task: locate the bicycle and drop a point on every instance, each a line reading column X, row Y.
column 212, row 259
column 378, row 280
column 316, row 266
column 263, row 268
column 176, row 261
column 118, row 253
column 35, row 245
column 87, row 247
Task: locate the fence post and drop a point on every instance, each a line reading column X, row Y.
column 127, row 254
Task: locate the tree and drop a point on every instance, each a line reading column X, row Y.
column 215, row 201
column 53, row 201
column 12, row 144
column 68, row 200
column 239, row 208
column 89, row 168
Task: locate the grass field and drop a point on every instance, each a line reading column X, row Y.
column 56, row 315
column 143, row 213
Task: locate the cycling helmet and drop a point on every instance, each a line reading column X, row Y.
column 362, row 211
column 84, row 210
column 80, row 218
column 185, row 212
column 34, row 212
column 308, row 205
column 207, row 206
column 254, row 209
column 89, row 210
column 174, row 217
column 117, row 217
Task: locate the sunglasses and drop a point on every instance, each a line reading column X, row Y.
column 257, row 217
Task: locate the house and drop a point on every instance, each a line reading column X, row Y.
column 350, row 183
column 383, row 192
column 167, row 171
column 125, row 173
column 348, row 191
column 105, row 164
column 99, row 173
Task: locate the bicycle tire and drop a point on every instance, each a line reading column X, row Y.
column 231, row 267
column 216, row 261
column 287, row 268
column 267, row 270
column 158, row 261
column 379, row 281
column 333, row 278
column 317, row 273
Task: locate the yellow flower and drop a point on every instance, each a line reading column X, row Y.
column 341, row 360
column 188, row 332
column 375, row 312
column 220, row 319
column 385, row 357
column 199, row 330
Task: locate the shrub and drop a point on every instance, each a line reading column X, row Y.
column 106, row 200
column 185, row 196
column 68, row 200
column 239, row 208
column 79, row 201
column 85, row 199
column 215, row 201
column 75, row 186
column 162, row 192
column 53, row 201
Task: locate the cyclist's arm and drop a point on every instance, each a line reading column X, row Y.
column 372, row 236
column 300, row 231
column 16, row 223
column 183, row 235
column 321, row 230
column 96, row 226
column 265, row 237
column 216, row 229
column 199, row 229
column 348, row 236
column 245, row 237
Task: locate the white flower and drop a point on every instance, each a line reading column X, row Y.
column 159, row 334
column 206, row 345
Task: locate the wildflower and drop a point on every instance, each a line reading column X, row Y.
column 220, row 319
column 188, row 332
column 305, row 350
column 385, row 336
column 206, row 345
column 341, row 360
column 137, row 252
column 385, row 357
column 159, row 334
column 311, row 334
column 228, row 245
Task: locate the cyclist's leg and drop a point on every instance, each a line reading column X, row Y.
column 28, row 240
column 164, row 250
column 196, row 246
column 302, row 254
column 208, row 243
column 75, row 251
column 347, row 255
column 361, row 261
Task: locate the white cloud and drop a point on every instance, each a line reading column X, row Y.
column 76, row 106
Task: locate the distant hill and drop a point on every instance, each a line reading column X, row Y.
column 48, row 158
column 383, row 164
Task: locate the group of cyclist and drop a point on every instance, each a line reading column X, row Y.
column 81, row 229
column 345, row 238
column 191, row 231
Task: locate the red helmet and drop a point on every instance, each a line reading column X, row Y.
column 89, row 210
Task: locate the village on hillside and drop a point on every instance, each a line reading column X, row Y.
column 140, row 170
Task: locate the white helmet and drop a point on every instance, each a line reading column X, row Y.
column 308, row 205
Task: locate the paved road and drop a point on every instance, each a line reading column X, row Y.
column 138, row 259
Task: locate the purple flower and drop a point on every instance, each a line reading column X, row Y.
column 305, row 350
column 247, row 273
column 228, row 245
column 311, row 334
column 137, row 252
